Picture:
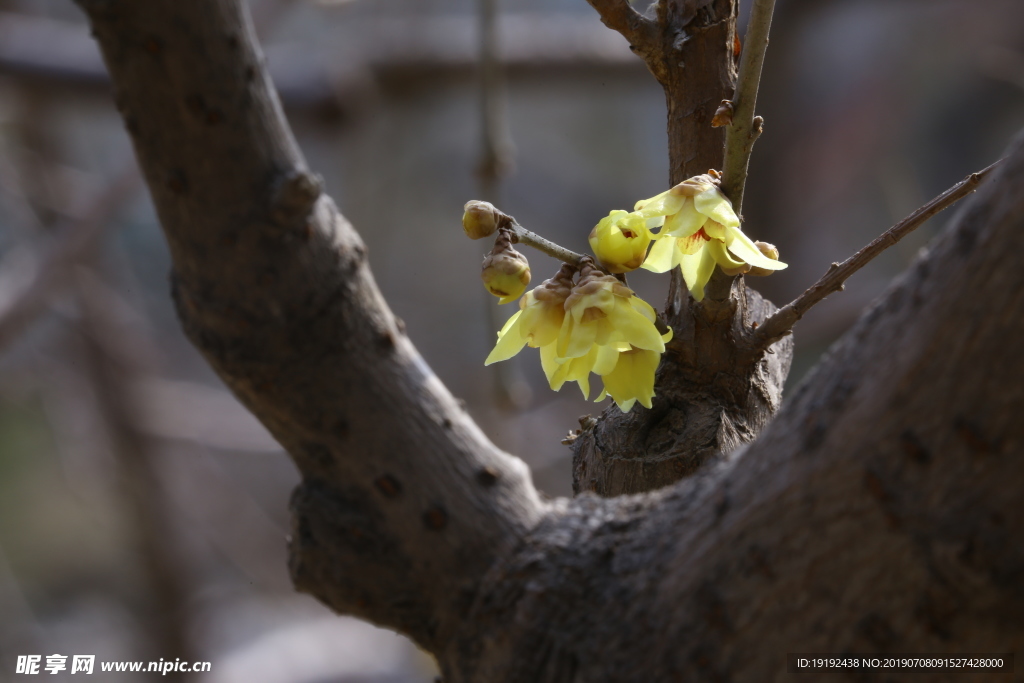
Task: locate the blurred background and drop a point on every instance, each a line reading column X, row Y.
column 143, row 512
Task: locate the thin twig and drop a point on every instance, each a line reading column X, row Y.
column 744, row 130
column 495, row 146
column 532, row 239
column 619, row 16
column 520, row 235
column 782, row 321
column 511, row 388
column 78, row 240
column 145, row 500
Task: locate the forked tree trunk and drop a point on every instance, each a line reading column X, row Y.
column 879, row 512
column 715, row 392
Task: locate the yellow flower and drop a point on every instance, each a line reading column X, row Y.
column 700, row 230
column 597, row 326
column 632, row 378
column 603, row 319
column 620, row 241
column 603, row 311
column 539, row 319
column 599, row 360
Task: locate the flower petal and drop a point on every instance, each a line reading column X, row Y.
column 663, row 256
column 740, row 245
column 510, row 342
column 584, row 384
column 715, row 230
column 607, row 357
column 549, row 363
column 664, row 204
column 575, row 339
column 722, row 256
column 632, row 379
column 579, row 371
column 655, row 222
column 626, row 405
column 691, row 244
column 697, row 269
column 713, row 204
column 636, row 329
column 684, row 222
column 644, row 308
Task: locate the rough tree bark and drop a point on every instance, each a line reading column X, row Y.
column 879, row 511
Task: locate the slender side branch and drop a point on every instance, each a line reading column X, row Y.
column 496, row 151
column 145, row 501
column 781, row 323
column 532, row 239
column 744, row 130
column 619, row 16
column 78, row 240
column 497, row 220
column 495, row 146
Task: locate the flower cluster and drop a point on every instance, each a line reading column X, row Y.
column 595, row 325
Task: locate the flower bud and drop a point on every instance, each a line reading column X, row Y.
column 480, row 219
column 770, row 251
column 505, row 272
column 620, row 241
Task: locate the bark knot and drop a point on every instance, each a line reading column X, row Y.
column 295, row 194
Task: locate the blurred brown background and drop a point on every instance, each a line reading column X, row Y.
column 144, row 512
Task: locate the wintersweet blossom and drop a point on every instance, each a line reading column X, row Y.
column 595, row 326
column 632, row 378
column 601, row 310
column 700, row 230
column 620, row 241
column 605, row 325
column 599, row 360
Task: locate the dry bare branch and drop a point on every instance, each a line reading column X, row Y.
column 620, row 16
column 782, row 321
column 78, row 239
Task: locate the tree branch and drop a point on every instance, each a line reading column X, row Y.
column 898, row 452
column 521, row 235
column 888, row 485
column 782, row 321
column 741, row 134
column 145, row 500
column 495, row 146
column 402, row 495
column 619, row 16
column 78, row 239
column 511, row 390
